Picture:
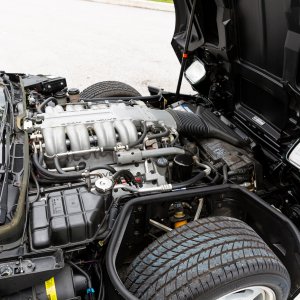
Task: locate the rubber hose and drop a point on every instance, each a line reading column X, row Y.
column 103, row 167
column 141, row 139
column 225, row 174
column 215, row 179
column 44, row 103
column 42, row 170
column 49, row 181
column 164, row 133
column 98, row 167
column 81, row 166
column 189, row 182
column 57, row 166
column 38, row 190
column 89, row 282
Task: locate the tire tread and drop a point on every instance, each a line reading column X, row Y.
column 194, row 258
column 109, row 89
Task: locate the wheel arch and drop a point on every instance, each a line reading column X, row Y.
column 272, row 226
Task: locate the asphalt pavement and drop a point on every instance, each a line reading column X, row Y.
column 87, row 42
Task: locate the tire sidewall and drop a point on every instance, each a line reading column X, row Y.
column 274, row 282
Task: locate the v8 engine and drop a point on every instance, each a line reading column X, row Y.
column 118, row 148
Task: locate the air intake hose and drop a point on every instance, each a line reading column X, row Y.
column 204, row 125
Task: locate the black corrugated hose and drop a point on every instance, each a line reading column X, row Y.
column 189, row 123
column 205, row 125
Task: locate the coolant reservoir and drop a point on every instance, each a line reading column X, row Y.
column 66, row 218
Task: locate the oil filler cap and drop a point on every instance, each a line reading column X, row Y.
column 162, row 162
column 103, row 185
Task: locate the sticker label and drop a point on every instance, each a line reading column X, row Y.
column 258, row 121
column 50, row 289
column 184, row 108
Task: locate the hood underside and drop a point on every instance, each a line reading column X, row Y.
column 259, row 44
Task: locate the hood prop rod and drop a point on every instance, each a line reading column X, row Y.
column 186, row 48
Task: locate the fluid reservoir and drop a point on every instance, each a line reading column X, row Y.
column 61, row 97
column 74, row 95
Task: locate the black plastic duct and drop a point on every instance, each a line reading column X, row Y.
column 204, row 125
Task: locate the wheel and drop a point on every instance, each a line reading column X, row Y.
column 109, row 89
column 215, row 258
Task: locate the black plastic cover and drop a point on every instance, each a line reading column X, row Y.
column 44, row 84
column 16, row 274
column 66, row 217
column 221, row 152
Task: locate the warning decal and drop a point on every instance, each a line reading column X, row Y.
column 50, row 289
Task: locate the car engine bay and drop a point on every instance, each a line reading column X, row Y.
column 88, row 156
column 124, row 149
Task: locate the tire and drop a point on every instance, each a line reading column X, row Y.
column 106, row 89
column 206, row 259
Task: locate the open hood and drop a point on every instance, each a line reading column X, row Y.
column 258, row 42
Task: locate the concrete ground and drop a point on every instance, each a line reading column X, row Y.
column 156, row 5
column 87, row 42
